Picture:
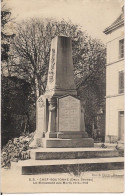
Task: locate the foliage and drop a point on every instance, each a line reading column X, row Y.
column 15, row 105
column 30, row 59
column 17, row 100
column 32, row 44
column 16, row 149
column 90, row 79
column 6, row 37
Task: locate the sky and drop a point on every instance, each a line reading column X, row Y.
column 93, row 15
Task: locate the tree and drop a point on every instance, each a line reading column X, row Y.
column 15, row 101
column 91, row 79
column 31, row 59
column 6, row 38
column 32, row 44
column 14, row 108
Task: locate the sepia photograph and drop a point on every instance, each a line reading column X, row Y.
column 62, row 96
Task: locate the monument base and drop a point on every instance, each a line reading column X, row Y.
column 72, row 134
column 67, row 143
column 67, row 134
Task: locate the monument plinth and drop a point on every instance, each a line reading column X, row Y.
column 60, row 113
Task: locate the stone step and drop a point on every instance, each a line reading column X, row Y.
column 32, row 167
column 72, row 153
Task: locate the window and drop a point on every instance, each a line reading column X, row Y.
column 121, row 48
column 121, row 125
column 121, row 81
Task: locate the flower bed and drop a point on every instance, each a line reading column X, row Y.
column 15, row 150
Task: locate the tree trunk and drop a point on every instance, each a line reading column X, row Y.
column 40, row 87
column 37, row 88
column 39, row 83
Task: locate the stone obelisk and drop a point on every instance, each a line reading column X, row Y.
column 60, row 113
column 60, row 75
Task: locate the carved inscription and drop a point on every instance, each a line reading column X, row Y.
column 52, row 66
column 40, row 115
column 69, row 114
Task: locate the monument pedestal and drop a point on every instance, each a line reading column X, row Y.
column 67, row 143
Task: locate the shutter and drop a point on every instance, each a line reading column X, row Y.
column 121, row 82
column 121, row 48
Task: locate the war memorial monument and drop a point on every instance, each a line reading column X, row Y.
column 60, row 113
column 61, row 143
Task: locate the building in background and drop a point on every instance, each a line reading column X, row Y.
column 115, row 80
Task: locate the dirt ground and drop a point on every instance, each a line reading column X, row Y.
column 98, row 181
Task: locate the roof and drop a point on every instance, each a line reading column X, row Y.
column 116, row 24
